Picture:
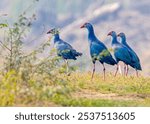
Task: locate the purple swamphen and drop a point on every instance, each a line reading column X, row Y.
column 135, row 59
column 64, row 50
column 98, row 50
column 121, row 52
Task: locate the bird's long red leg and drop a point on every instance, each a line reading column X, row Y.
column 120, row 71
column 116, row 70
column 124, row 69
column 104, row 72
column 137, row 73
column 67, row 67
column 127, row 70
column 93, row 72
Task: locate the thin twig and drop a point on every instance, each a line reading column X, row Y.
column 3, row 45
column 39, row 34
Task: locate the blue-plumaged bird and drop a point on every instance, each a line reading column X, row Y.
column 121, row 52
column 98, row 50
column 64, row 50
column 135, row 58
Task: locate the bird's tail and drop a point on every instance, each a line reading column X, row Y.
column 138, row 66
column 78, row 54
column 113, row 62
column 110, row 61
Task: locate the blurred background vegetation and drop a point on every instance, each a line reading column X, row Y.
column 127, row 16
column 32, row 75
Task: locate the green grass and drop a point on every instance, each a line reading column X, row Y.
column 75, row 90
column 84, row 102
column 115, row 91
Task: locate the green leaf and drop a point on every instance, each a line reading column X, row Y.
column 2, row 25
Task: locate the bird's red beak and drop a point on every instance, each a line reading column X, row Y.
column 83, row 26
column 50, row 31
column 109, row 34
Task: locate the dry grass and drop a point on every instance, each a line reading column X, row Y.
column 76, row 90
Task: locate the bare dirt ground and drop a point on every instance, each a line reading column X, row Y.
column 112, row 96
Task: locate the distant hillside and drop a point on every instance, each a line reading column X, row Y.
column 127, row 16
column 133, row 21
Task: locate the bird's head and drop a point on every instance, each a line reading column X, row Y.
column 112, row 33
column 53, row 31
column 86, row 25
column 122, row 35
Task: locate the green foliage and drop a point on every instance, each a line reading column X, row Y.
column 3, row 25
column 29, row 80
column 13, row 43
column 8, row 88
column 26, row 77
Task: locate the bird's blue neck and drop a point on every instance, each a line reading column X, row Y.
column 91, row 34
column 114, row 39
column 56, row 38
column 123, row 40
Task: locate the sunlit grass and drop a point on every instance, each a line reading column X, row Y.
column 85, row 102
column 74, row 90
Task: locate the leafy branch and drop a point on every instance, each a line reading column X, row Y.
column 3, row 45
